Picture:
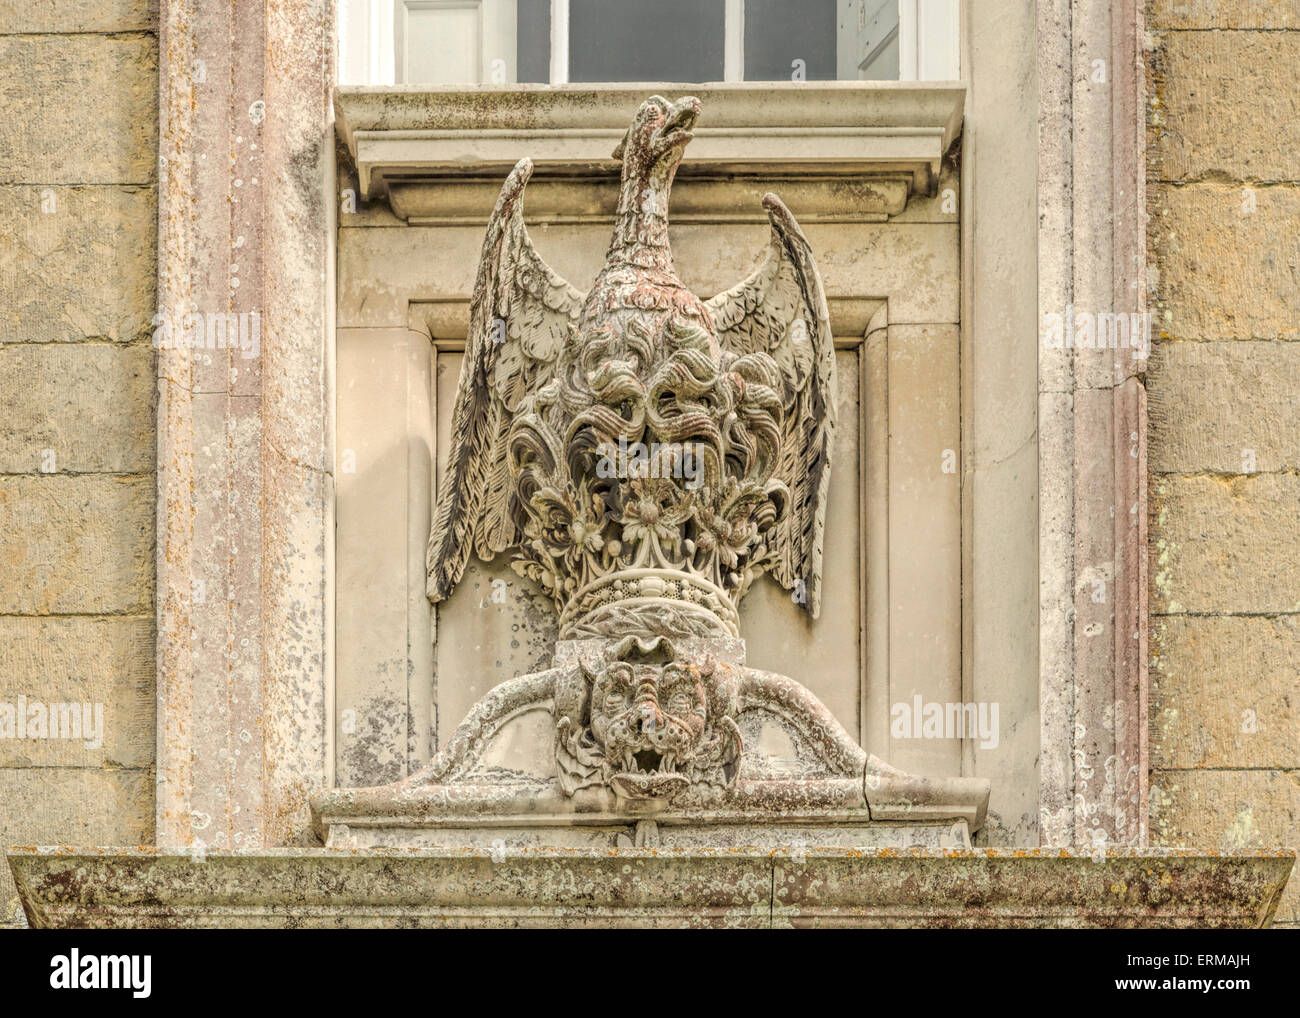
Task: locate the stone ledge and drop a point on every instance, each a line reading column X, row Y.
column 438, row 156
column 288, row 888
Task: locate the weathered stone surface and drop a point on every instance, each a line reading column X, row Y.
column 39, row 16
column 1229, row 811
column 51, row 805
column 944, row 207
column 1006, row 163
column 101, row 661
column 1231, row 408
column 383, row 712
column 1223, row 692
column 828, row 659
column 707, row 259
column 642, row 887
column 739, row 200
column 1055, row 760
column 1225, row 253
column 245, row 167
column 1225, row 273
column 1236, row 14
column 1010, row 888
column 834, row 129
column 1221, row 544
column 76, row 544
column 97, row 98
column 292, row 718
column 77, row 263
column 76, row 408
column 925, row 533
column 1226, row 810
column 491, row 600
column 999, row 496
column 1206, row 81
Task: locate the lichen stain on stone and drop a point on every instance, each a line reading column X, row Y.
column 374, row 753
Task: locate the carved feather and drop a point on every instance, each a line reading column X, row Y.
column 520, row 314
column 762, row 314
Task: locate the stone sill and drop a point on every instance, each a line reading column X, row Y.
column 140, row 887
column 413, row 145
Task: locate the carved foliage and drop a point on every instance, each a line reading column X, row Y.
column 686, row 516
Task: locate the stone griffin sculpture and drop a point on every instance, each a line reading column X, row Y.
column 729, row 405
column 740, row 389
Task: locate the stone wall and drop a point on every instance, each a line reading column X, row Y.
column 1223, row 163
column 78, row 147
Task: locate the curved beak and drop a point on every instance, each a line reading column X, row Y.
column 677, row 127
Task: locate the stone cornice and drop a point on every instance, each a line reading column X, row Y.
column 883, row 141
column 115, row 888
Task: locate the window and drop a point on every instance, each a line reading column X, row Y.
column 555, row 41
column 629, row 40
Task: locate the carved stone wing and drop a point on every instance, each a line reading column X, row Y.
column 519, row 317
column 781, row 310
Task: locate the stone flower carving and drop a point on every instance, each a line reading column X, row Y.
column 653, row 515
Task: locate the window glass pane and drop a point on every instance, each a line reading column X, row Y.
column 443, row 42
column 533, row 22
column 428, row 42
column 868, row 40
column 790, row 39
column 636, row 40
column 438, row 42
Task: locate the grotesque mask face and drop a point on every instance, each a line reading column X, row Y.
column 649, row 719
column 653, row 725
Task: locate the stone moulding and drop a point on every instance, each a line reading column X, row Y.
column 439, row 156
column 826, row 791
column 67, row 888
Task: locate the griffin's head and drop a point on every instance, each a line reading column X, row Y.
column 659, row 133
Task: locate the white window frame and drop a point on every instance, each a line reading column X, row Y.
column 367, row 42
column 929, row 34
column 928, row 41
column 401, row 10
